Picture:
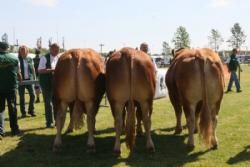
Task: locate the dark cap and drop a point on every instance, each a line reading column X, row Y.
column 4, row 45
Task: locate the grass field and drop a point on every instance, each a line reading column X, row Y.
column 34, row 147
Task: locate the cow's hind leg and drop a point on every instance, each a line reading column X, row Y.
column 118, row 109
column 90, row 110
column 146, row 108
column 190, row 117
column 139, row 120
column 214, row 112
column 178, row 111
column 60, row 120
column 71, row 123
column 197, row 115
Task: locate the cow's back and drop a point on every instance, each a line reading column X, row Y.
column 76, row 74
column 130, row 71
column 190, row 67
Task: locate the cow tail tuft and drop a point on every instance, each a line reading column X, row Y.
column 205, row 116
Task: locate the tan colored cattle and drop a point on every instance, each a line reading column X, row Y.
column 195, row 82
column 79, row 81
column 130, row 81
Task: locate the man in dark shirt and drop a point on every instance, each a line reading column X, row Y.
column 9, row 71
column 233, row 65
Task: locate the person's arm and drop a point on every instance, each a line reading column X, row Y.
column 34, row 72
column 45, row 71
column 19, row 75
column 42, row 67
column 240, row 67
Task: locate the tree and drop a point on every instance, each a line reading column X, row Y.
column 215, row 39
column 181, row 38
column 238, row 37
column 166, row 50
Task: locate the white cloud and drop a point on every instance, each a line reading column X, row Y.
column 220, row 3
column 48, row 3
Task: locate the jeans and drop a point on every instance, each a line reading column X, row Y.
column 11, row 101
column 48, row 105
column 21, row 90
column 233, row 78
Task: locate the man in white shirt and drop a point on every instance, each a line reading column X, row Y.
column 28, row 73
column 46, row 69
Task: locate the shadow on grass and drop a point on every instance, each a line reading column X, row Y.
column 36, row 150
column 240, row 157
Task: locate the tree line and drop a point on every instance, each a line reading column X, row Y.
column 182, row 39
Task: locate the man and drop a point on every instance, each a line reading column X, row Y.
column 9, row 71
column 36, row 64
column 28, row 74
column 233, row 65
column 144, row 48
column 46, row 69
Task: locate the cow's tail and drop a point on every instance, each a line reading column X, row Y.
column 78, row 115
column 205, row 115
column 130, row 120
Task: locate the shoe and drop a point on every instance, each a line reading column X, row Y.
column 32, row 114
column 238, row 91
column 23, row 116
column 1, row 136
column 49, row 126
column 228, row 91
column 37, row 100
column 16, row 133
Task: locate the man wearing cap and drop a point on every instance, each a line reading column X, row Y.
column 9, row 72
column 46, row 69
column 233, row 65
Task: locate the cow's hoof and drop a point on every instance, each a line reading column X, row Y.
column 151, row 149
column 116, row 152
column 177, row 131
column 56, row 148
column 190, row 147
column 214, row 147
column 91, row 149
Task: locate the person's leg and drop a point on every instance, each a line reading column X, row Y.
column 48, row 106
column 230, row 82
column 32, row 99
column 2, row 107
column 21, row 91
column 11, row 101
column 237, row 83
column 38, row 91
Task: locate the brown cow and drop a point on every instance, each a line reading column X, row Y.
column 79, row 80
column 195, row 82
column 130, row 81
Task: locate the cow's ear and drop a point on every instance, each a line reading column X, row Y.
column 173, row 52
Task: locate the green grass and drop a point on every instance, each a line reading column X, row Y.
column 34, row 148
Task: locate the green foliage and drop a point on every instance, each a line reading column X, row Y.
column 238, row 37
column 34, row 147
column 181, row 38
column 215, row 39
column 166, row 49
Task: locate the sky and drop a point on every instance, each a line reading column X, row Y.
column 120, row 23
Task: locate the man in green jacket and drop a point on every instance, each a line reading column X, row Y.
column 28, row 74
column 233, row 65
column 9, row 71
